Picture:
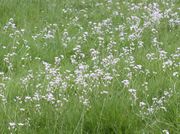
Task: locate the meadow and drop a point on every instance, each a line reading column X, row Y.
column 89, row 67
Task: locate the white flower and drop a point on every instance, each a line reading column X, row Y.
column 166, row 131
column 12, row 125
column 22, row 109
column 104, row 92
column 125, row 82
column 175, row 74
column 20, row 124
column 142, row 104
column 132, row 90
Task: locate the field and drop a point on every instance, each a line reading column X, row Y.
column 89, row 67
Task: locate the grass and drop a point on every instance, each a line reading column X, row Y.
column 112, row 86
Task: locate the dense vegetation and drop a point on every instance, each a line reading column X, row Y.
column 89, row 66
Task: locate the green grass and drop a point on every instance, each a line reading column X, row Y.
column 72, row 99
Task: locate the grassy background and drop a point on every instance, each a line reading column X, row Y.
column 111, row 113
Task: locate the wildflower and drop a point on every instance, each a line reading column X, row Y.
column 104, row 92
column 20, row 124
column 126, row 83
column 12, row 125
column 165, row 132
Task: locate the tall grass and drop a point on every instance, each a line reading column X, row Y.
column 89, row 66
